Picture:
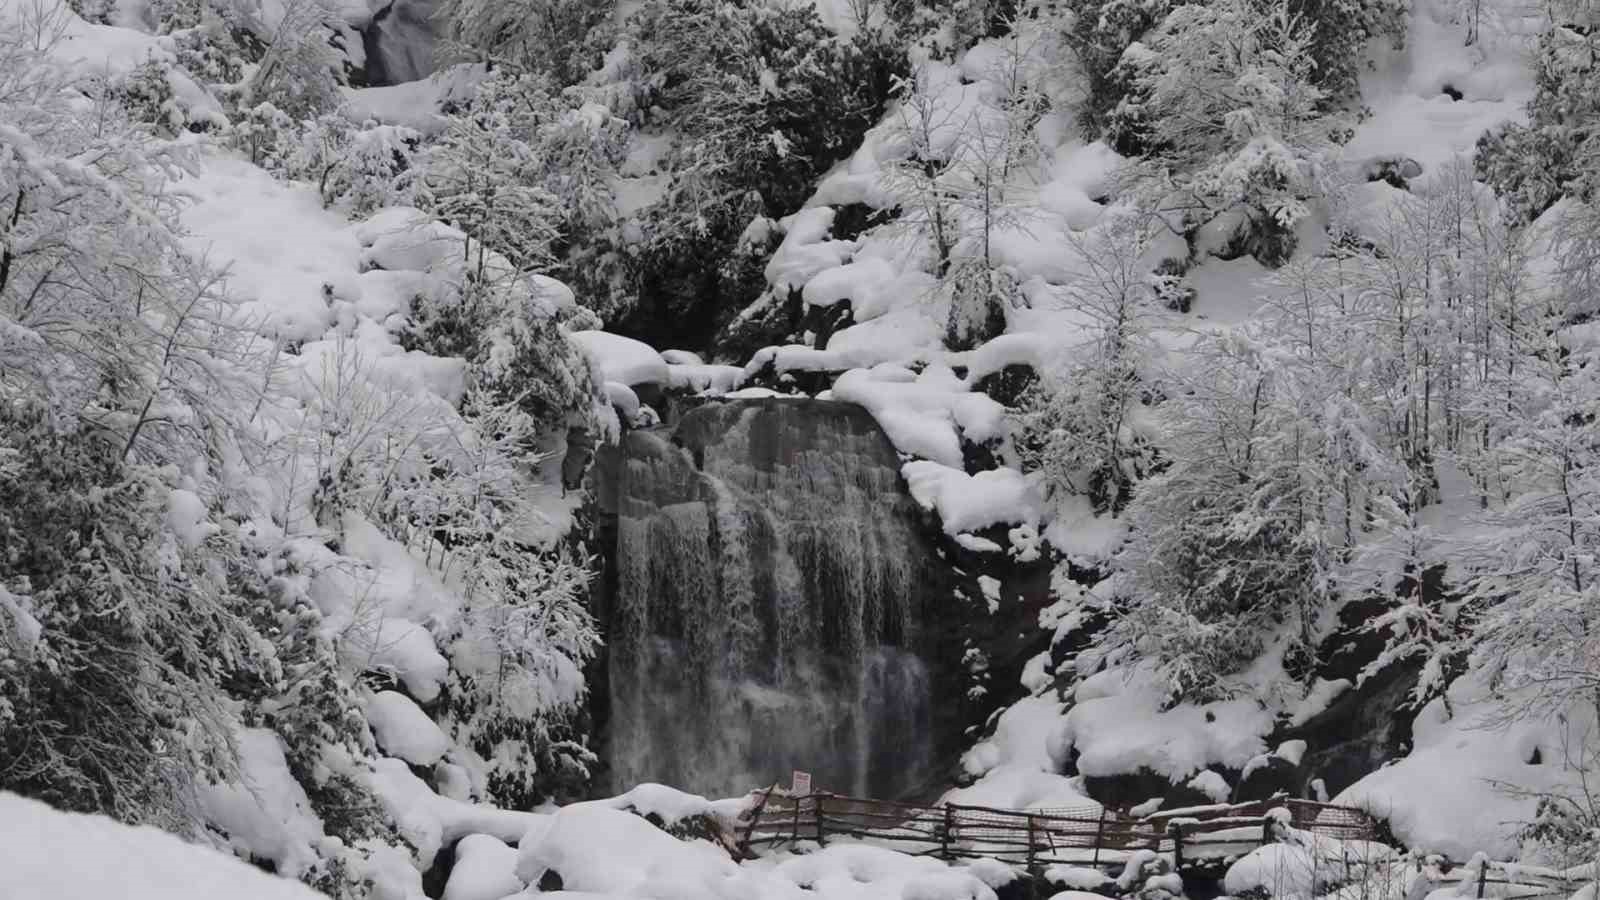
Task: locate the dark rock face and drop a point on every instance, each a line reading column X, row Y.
column 1276, row 776
column 1131, row 789
column 1360, row 732
column 767, row 604
column 400, row 42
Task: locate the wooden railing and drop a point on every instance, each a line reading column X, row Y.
column 1500, row 880
column 1087, row 835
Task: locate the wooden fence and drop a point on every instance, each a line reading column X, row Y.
column 1087, row 835
column 1498, row 880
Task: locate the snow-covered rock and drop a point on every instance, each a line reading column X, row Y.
column 404, row 730
column 621, row 359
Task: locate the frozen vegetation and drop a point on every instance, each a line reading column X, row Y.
column 1236, row 359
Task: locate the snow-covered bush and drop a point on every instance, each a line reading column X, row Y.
column 114, row 700
column 484, row 176
column 146, row 94
column 364, row 168
column 1077, row 424
column 1225, row 94
column 1535, row 164
column 298, row 69
column 564, row 38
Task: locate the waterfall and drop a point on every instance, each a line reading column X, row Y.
column 768, row 608
column 399, row 42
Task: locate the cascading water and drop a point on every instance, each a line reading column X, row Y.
column 400, row 42
column 768, row 604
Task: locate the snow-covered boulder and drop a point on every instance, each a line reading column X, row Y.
column 621, row 359
column 404, row 730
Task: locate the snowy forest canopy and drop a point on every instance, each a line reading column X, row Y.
column 1250, row 339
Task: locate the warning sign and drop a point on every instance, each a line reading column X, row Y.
column 802, row 783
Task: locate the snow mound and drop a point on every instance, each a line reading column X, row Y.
column 1447, row 795
column 1118, row 727
column 266, row 814
column 620, row 359
column 702, row 378
column 806, row 251
column 1018, row 764
column 404, row 730
column 52, row 855
column 606, row 851
column 973, row 502
column 485, row 869
column 927, row 417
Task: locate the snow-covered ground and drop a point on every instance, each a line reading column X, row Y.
column 339, row 290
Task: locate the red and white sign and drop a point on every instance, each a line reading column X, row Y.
column 802, row 783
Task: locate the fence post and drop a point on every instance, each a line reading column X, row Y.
column 1483, row 874
column 944, row 836
column 820, row 832
column 1266, row 830
column 794, row 826
column 1099, row 835
column 755, row 819
column 1176, row 831
column 1033, row 883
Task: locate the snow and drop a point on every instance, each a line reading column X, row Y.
column 1118, row 727
column 1282, row 870
column 606, row 851
column 413, row 104
column 280, row 255
column 25, row 629
column 1211, row 784
column 1078, row 878
column 1291, row 752
column 1034, row 349
column 53, row 855
column 672, row 805
column 485, row 869
column 794, row 358
column 404, row 730
column 1318, row 699
column 842, row 871
column 928, row 417
column 266, row 813
column 806, row 250
column 623, row 398
column 859, row 282
column 620, row 359
column 702, row 378
column 1446, row 796
column 1017, row 765
column 187, row 517
column 973, row 502
column 430, row 821
column 1412, row 117
column 1080, row 533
